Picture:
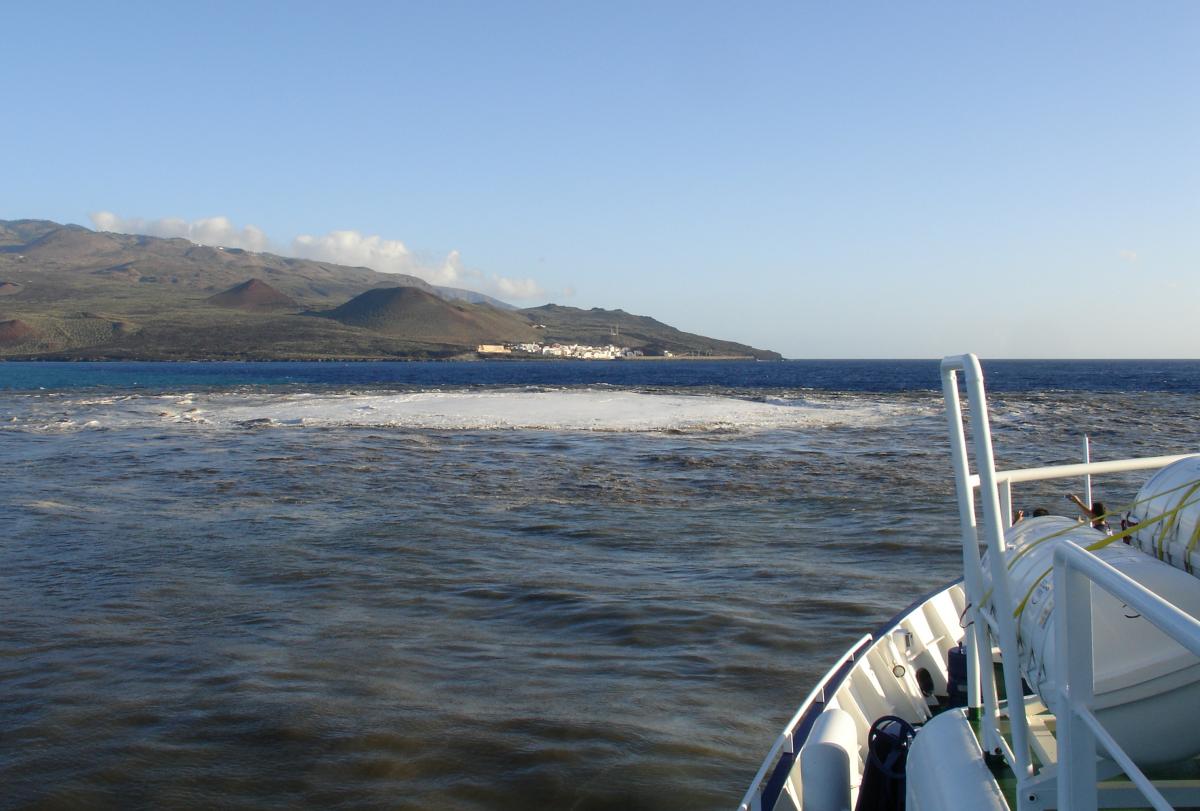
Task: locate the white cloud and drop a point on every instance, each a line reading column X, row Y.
column 352, row 248
column 450, row 272
column 393, row 256
column 337, row 247
column 1128, row 255
column 207, row 231
column 517, row 288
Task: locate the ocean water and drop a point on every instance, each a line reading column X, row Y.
column 478, row 585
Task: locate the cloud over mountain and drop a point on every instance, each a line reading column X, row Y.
column 393, row 256
column 206, row 231
column 352, row 248
column 346, row 247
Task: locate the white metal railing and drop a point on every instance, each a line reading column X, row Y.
column 752, row 801
column 1037, row 474
column 995, row 496
column 979, row 675
column 1087, row 477
column 1075, row 570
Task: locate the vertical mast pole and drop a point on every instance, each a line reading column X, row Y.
column 1087, row 477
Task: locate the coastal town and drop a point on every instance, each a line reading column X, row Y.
column 577, row 351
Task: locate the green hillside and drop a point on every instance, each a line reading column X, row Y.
column 68, row 292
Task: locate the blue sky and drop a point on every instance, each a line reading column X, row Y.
column 826, row 180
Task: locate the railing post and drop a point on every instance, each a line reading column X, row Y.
column 1073, row 640
column 972, row 570
column 1002, row 599
column 1087, row 477
column 981, row 688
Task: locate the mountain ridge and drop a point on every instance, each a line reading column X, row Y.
column 76, row 293
column 182, row 263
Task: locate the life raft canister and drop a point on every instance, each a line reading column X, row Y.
column 1146, row 686
column 1173, row 492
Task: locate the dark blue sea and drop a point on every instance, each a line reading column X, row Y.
column 826, row 375
column 589, row 585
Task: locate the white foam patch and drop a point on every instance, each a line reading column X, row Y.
column 554, row 410
column 493, row 409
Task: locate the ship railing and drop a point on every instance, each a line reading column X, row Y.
column 785, row 745
column 981, row 688
column 1078, row 732
column 1005, row 479
column 994, row 488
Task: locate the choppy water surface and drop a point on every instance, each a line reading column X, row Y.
column 469, row 594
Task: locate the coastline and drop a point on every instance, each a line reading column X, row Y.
column 634, row 359
column 470, row 357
